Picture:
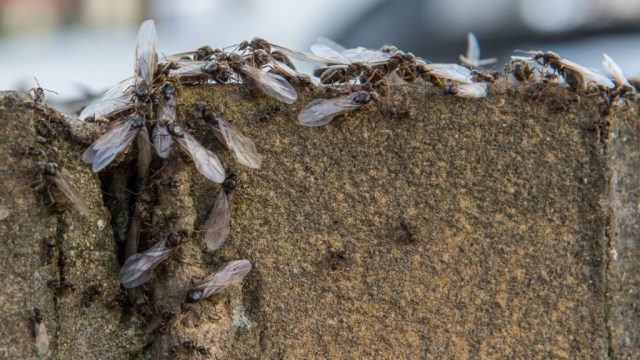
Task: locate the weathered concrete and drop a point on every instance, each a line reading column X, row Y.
column 623, row 271
column 422, row 226
column 84, row 252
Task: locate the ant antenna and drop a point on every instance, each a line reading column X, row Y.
column 40, row 87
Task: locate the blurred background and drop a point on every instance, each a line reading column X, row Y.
column 82, row 47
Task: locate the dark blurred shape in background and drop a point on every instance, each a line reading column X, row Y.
column 78, row 47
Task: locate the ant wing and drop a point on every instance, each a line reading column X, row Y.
column 306, row 57
column 475, row 90
column 232, row 273
column 615, row 70
column 205, row 160
column 116, row 99
column 162, row 140
column 4, row 212
column 167, row 110
column 42, row 338
column 365, row 55
column 273, row 85
column 321, row 111
column 63, row 184
column 242, row 149
column 139, row 267
column 589, row 75
column 146, row 56
column 217, row 227
column 452, row 72
column 328, row 52
column 189, row 69
column 473, row 49
column 102, row 152
column 330, row 44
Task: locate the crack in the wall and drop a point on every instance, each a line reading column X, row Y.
column 116, row 198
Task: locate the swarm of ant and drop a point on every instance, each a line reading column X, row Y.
column 144, row 108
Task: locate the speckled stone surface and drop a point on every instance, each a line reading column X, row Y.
column 422, row 226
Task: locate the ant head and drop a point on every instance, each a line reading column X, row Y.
column 243, row 45
column 261, row 56
column 175, row 130
column 362, row 97
column 203, row 52
column 50, row 169
column 194, row 295
column 174, row 239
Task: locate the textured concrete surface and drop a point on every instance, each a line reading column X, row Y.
column 81, row 251
column 502, row 254
column 422, row 226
